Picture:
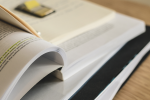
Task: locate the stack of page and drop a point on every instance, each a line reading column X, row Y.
column 72, row 44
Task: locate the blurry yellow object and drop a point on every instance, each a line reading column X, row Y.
column 34, row 8
column 31, row 4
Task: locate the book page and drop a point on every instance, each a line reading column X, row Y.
column 18, row 51
column 11, row 18
column 39, row 69
column 85, row 43
column 71, row 18
column 54, row 89
column 85, row 48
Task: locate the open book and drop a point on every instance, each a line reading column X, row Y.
column 67, row 43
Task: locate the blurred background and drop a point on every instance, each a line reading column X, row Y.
column 146, row 2
column 136, row 8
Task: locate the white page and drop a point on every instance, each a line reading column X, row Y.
column 72, row 17
column 55, row 89
column 39, row 69
column 18, row 51
column 118, row 31
column 89, row 41
column 10, row 18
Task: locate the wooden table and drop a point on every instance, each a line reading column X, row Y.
column 138, row 86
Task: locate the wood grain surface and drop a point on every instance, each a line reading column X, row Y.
column 138, row 86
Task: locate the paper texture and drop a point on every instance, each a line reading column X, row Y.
column 72, row 17
column 19, row 50
column 119, row 31
column 39, row 69
column 11, row 18
column 52, row 88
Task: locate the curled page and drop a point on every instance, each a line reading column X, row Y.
column 11, row 18
column 23, row 55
